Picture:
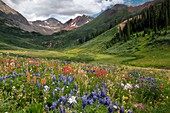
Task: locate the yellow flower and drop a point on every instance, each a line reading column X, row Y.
column 150, row 102
column 108, row 94
column 125, row 98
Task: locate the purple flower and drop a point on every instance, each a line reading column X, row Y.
column 53, row 94
column 122, row 110
column 11, row 82
column 103, row 93
column 46, row 108
column 99, row 94
column 38, row 85
column 54, row 104
column 54, row 78
column 75, row 86
column 57, row 89
column 71, row 93
column 24, row 91
column 68, row 83
column 1, row 79
column 93, row 94
column 96, row 86
column 90, row 102
column 63, row 99
column 110, row 109
column 153, row 86
column 94, row 98
column 107, row 101
column 84, row 101
column 101, row 100
column 62, row 110
column 65, row 82
column 58, row 83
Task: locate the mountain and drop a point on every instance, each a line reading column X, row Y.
column 15, row 19
column 46, row 27
column 12, row 16
column 77, row 22
column 52, row 24
column 105, row 21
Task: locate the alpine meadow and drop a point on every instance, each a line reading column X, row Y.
column 85, row 56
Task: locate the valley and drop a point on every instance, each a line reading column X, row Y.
column 117, row 61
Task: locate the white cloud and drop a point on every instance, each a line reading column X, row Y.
column 60, row 9
column 63, row 10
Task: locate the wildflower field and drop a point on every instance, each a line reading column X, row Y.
column 34, row 85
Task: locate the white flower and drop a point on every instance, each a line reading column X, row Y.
column 121, row 84
column 72, row 99
column 128, row 86
column 46, row 88
column 136, row 86
column 115, row 107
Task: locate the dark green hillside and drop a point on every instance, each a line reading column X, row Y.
column 156, row 18
column 102, row 23
column 15, row 38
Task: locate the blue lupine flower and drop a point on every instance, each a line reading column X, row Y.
column 104, row 101
column 90, row 102
column 84, row 101
column 54, row 104
column 24, row 91
column 46, row 108
column 68, row 83
column 57, row 89
column 122, row 110
column 65, row 82
column 72, row 93
column 94, row 98
column 53, row 94
column 58, row 83
column 63, row 99
column 108, row 101
column 99, row 94
column 75, row 86
column 101, row 100
column 96, row 86
column 38, row 85
column 62, row 110
column 93, row 94
column 54, row 78
column 11, row 82
column 110, row 109
column 153, row 86
column 103, row 93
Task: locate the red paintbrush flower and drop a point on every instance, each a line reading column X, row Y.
column 161, row 86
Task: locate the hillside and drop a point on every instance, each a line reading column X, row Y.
column 102, row 23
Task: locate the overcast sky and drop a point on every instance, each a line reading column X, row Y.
column 63, row 10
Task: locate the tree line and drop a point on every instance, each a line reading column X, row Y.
column 154, row 18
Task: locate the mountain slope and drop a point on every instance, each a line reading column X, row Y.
column 77, row 22
column 102, row 23
column 11, row 15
